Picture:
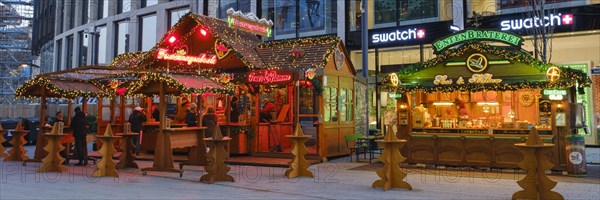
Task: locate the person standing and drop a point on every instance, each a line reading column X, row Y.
column 209, row 120
column 265, row 112
column 80, row 129
column 190, row 115
column 235, row 112
column 136, row 119
column 155, row 113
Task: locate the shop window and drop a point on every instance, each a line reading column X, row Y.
column 331, row 103
column 238, row 5
column 300, row 18
column 507, row 4
column 354, row 14
column 385, row 11
column 307, row 101
column 411, row 10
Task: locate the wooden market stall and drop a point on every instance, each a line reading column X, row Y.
column 469, row 105
column 256, row 70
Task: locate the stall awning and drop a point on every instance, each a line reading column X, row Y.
column 58, row 88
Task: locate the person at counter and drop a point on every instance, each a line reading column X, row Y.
column 190, row 115
column 136, row 119
column 155, row 113
column 209, row 120
column 235, row 113
column 57, row 118
column 265, row 112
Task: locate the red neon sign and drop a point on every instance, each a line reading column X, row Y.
column 203, row 58
column 269, row 76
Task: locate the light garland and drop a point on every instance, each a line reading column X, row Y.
column 171, row 82
column 569, row 77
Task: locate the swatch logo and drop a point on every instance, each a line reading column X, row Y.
column 398, row 35
column 527, row 23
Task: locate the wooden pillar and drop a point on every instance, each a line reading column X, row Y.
column 99, row 117
column 122, row 111
column 43, row 108
column 84, row 103
column 149, row 108
column 112, row 110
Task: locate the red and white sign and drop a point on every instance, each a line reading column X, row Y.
column 531, row 22
column 269, row 76
column 181, row 56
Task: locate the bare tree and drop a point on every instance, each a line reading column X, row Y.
column 541, row 32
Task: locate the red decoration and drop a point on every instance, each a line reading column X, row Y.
column 121, row 91
column 270, row 76
column 203, row 58
column 295, row 54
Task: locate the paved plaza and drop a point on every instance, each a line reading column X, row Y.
column 337, row 179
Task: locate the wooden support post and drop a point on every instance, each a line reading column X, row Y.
column 106, row 166
column 149, row 108
column 69, row 111
column 84, row 103
column 298, row 165
column 41, row 140
column 122, row 112
column 17, row 152
column 391, row 175
column 53, row 161
column 536, row 185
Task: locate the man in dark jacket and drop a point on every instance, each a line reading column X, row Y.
column 190, row 115
column 136, row 119
column 80, row 130
column 209, row 120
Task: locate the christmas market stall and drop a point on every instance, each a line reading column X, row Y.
column 68, row 84
column 230, row 53
column 479, row 96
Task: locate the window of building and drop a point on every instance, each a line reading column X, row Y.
column 146, row 3
column 121, row 37
column 58, row 55
column 61, row 14
column 147, row 31
column 238, row 5
column 69, row 59
column 71, row 6
column 124, row 6
column 85, row 12
column 103, row 8
column 101, row 42
column 83, row 48
column 176, row 14
column 385, row 12
column 390, row 13
column 300, row 18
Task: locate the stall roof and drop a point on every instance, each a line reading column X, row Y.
column 176, row 84
column 315, row 52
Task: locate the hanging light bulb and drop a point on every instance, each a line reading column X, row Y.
column 486, row 109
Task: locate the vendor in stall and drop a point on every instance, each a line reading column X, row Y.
column 190, row 115
column 265, row 112
column 57, row 118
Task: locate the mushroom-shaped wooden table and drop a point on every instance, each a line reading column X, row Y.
column 2, row 140
column 391, row 175
column 298, row 164
column 536, row 185
column 17, row 152
column 106, row 166
column 216, row 169
column 53, row 161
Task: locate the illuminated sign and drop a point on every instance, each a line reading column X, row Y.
column 181, row 56
column 527, row 23
column 249, row 22
column 475, row 78
column 408, row 34
column 477, row 62
column 269, row 76
column 466, row 35
column 394, row 79
column 483, row 78
column 310, row 73
column 555, row 92
column 553, row 74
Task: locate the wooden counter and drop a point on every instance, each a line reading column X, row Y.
column 190, row 137
column 150, row 130
column 470, row 149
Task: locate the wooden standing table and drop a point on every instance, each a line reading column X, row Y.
column 2, row 140
column 177, row 138
column 53, row 161
column 106, row 166
column 17, row 152
column 216, row 169
column 126, row 160
column 536, row 185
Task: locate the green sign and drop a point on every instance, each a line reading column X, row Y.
column 466, row 35
column 555, row 92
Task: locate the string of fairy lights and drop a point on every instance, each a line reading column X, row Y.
column 569, row 77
